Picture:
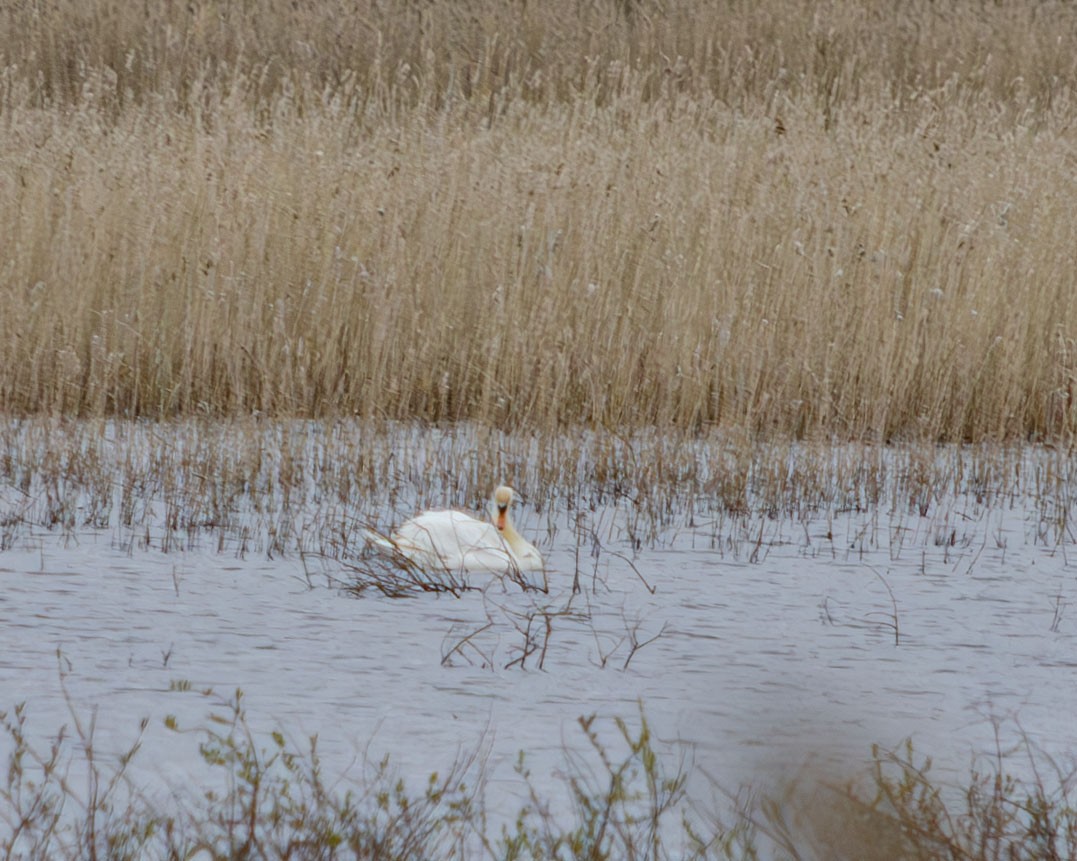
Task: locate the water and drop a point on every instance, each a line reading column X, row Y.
column 765, row 644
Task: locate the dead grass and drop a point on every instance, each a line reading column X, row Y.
column 316, row 487
column 844, row 220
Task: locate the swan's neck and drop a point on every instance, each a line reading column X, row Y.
column 508, row 531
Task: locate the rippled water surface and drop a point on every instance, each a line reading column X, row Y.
column 764, row 642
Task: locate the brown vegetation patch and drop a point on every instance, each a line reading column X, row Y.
column 847, row 220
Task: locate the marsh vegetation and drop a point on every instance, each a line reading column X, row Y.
column 274, row 274
column 275, row 799
column 843, row 220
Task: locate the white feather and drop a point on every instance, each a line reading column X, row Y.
column 458, row 543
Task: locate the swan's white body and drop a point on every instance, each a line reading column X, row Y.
column 459, row 543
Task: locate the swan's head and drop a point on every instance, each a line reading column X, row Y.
column 503, row 497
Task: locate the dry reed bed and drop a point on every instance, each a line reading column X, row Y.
column 843, row 220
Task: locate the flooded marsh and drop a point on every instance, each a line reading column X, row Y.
column 765, row 310
column 841, row 597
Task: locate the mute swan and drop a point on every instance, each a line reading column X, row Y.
column 459, row 543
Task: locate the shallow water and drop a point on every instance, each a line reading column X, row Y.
column 775, row 643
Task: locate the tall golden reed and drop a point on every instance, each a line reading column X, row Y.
column 846, row 220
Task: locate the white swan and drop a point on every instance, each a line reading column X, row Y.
column 459, row 543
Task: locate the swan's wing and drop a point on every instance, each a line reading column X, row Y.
column 453, row 540
column 447, row 530
column 531, row 560
column 457, row 543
